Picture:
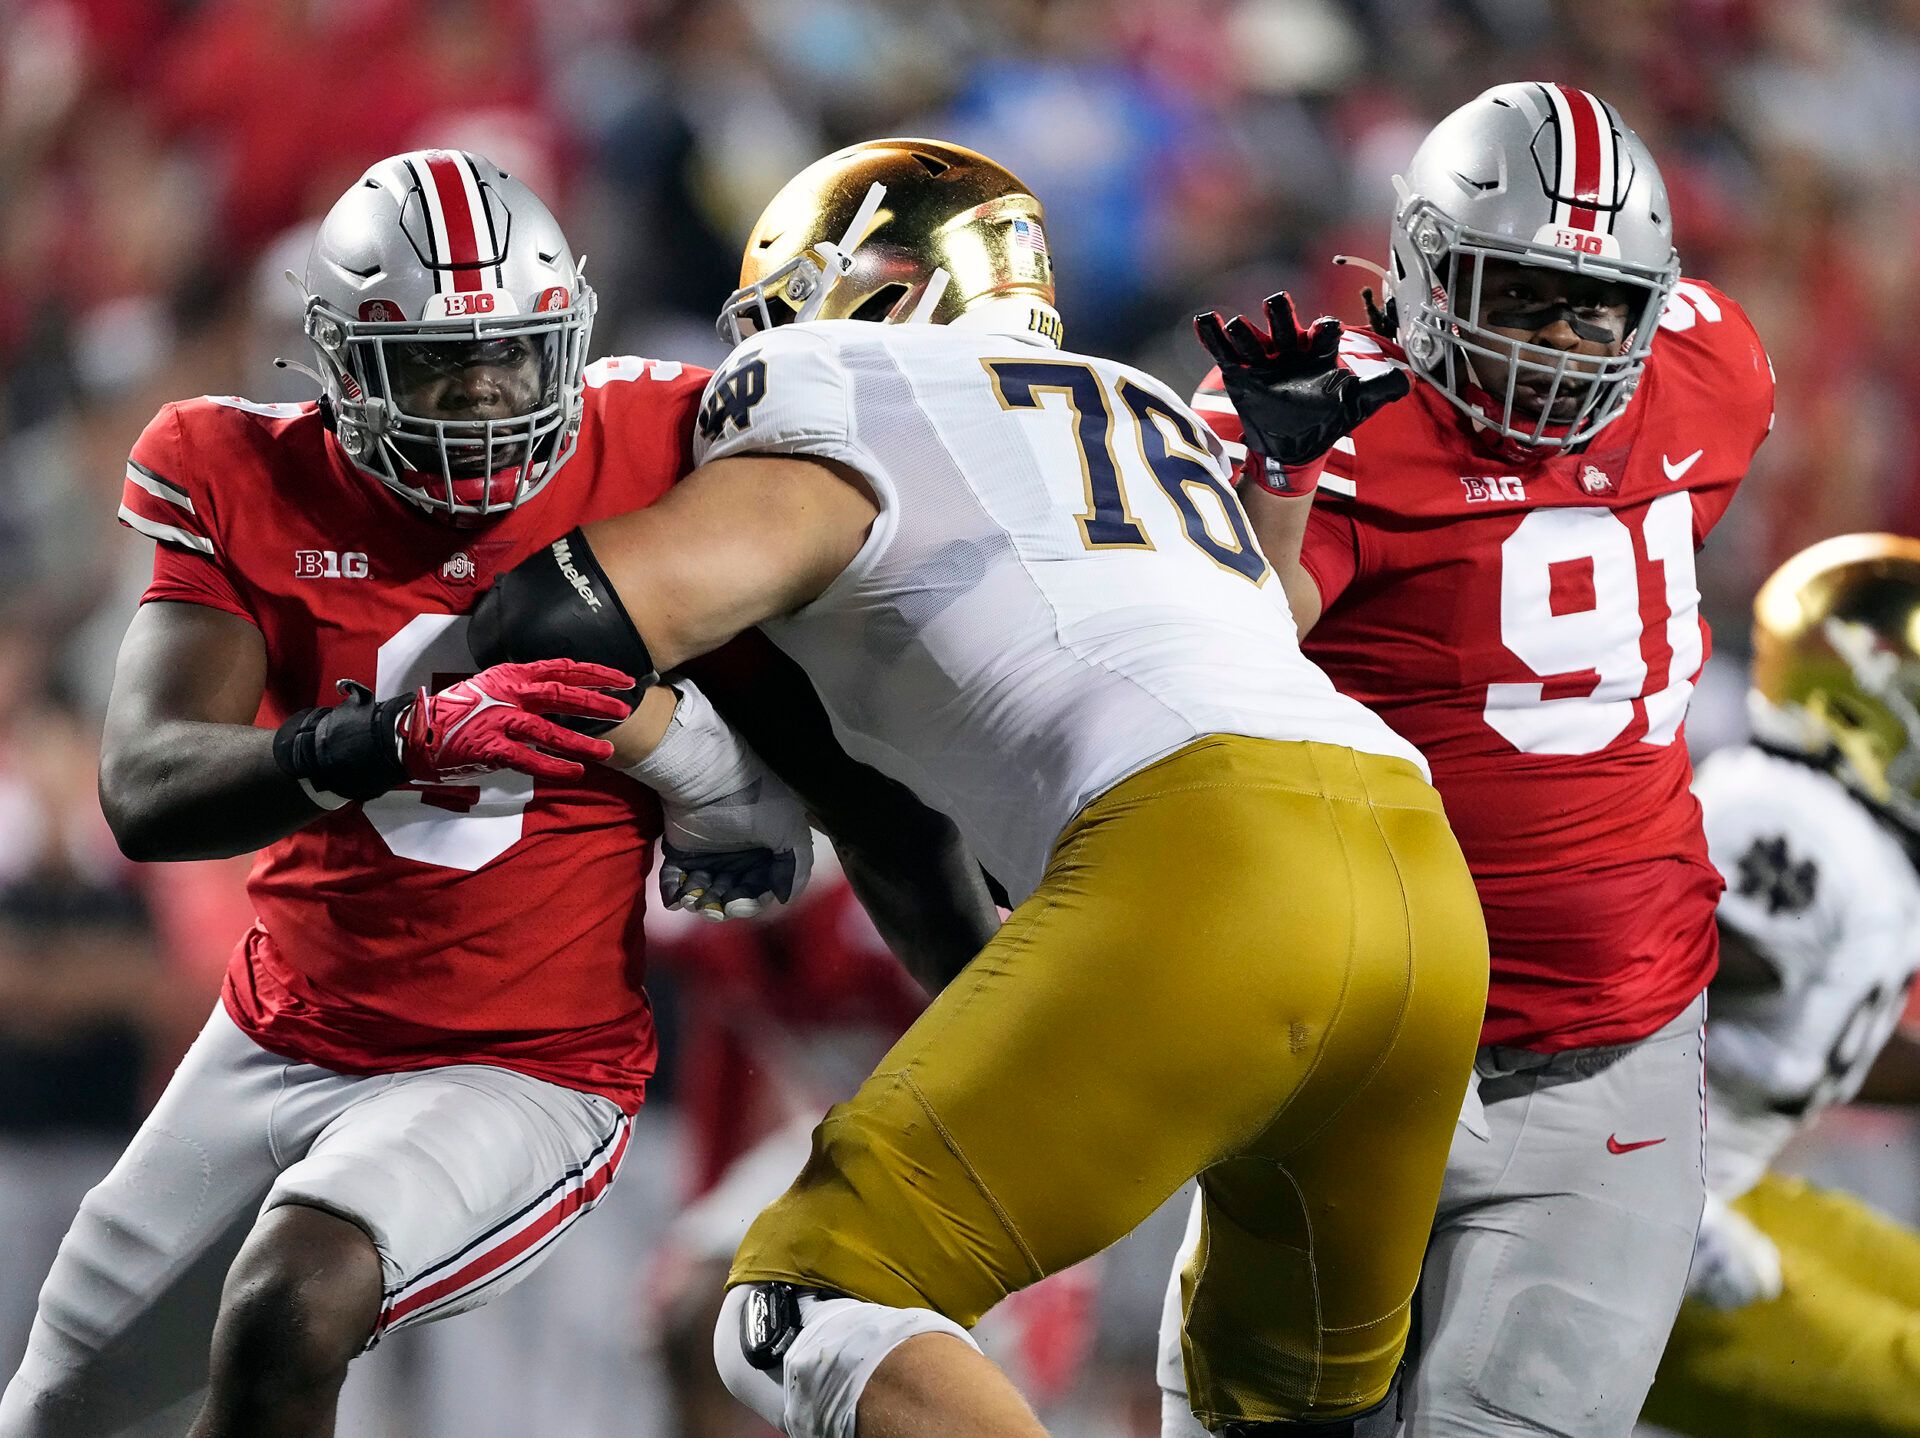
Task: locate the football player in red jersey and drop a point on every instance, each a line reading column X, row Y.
column 430, row 1044
column 1512, row 477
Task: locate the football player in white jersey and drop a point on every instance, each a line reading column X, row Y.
column 1245, row 944
column 1803, row 1316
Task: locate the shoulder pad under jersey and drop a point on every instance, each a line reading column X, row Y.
column 782, row 392
column 1709, row 351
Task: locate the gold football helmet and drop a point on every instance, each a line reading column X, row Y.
column 1836, row 664
column 893, row 231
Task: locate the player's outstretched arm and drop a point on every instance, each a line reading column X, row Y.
column 183, row 770
column 1280, row 525
column 186, row 774
column 739, row 541
column 1293, row 400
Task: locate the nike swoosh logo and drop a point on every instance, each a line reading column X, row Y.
column 1675, row 471
column 1613, row 1143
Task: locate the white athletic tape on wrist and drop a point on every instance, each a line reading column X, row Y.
column 700, row 758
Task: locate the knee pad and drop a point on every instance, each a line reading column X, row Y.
column 801, row 1358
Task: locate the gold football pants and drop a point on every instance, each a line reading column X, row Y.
column 1255, row 961
column 1837, row 1353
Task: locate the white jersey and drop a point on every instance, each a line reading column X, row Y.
column 1828, row 898
column 1060, row 588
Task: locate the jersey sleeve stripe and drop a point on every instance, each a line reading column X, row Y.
column 1209, row 403
column 1333, row 484
column 153, row 484
column 166, row 533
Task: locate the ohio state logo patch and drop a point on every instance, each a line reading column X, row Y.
column 460, row 568
column 1595, row 480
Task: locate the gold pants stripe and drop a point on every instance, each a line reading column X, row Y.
column 1837, row 1355
column 1259, row 962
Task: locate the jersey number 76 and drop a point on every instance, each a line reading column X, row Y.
column 1167, row 443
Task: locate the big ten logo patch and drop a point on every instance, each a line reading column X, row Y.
column 1493, row 488
column 731, row 397
column 330, row 564
column 479, row 302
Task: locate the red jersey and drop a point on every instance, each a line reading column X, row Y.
column 494, row 921
column 1530, row 621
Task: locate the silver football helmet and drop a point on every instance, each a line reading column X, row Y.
column 436, row 275
column 1542, row 175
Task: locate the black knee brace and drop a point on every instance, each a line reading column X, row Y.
column 769, row 1323
column 558, row 604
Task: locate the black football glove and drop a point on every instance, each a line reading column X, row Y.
column 1287, row 385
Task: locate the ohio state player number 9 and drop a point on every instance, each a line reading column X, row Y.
column 457, row 826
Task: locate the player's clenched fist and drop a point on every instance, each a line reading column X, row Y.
column 362, row 747
column 734, row 836
column 1288, row 386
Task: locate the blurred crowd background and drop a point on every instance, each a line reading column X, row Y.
column 162, row 162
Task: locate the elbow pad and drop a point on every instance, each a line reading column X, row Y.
column 558, row 604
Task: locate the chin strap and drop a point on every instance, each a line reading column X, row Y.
column 308, row 370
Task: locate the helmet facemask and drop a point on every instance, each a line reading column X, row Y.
column 397, row 389
column 804, row 283
column 1547, row 398
column 451, row 322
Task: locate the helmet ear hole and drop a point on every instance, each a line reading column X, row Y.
column 881, row 303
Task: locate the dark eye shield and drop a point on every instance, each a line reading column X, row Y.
column 1540, row 317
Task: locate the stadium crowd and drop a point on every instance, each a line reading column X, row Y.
column 162, row 163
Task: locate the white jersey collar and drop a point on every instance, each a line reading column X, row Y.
column 1019, row 317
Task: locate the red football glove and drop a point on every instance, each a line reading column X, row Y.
column 492, row 721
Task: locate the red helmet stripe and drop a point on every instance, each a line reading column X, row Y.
column 1588, row 122
column 452, row 185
